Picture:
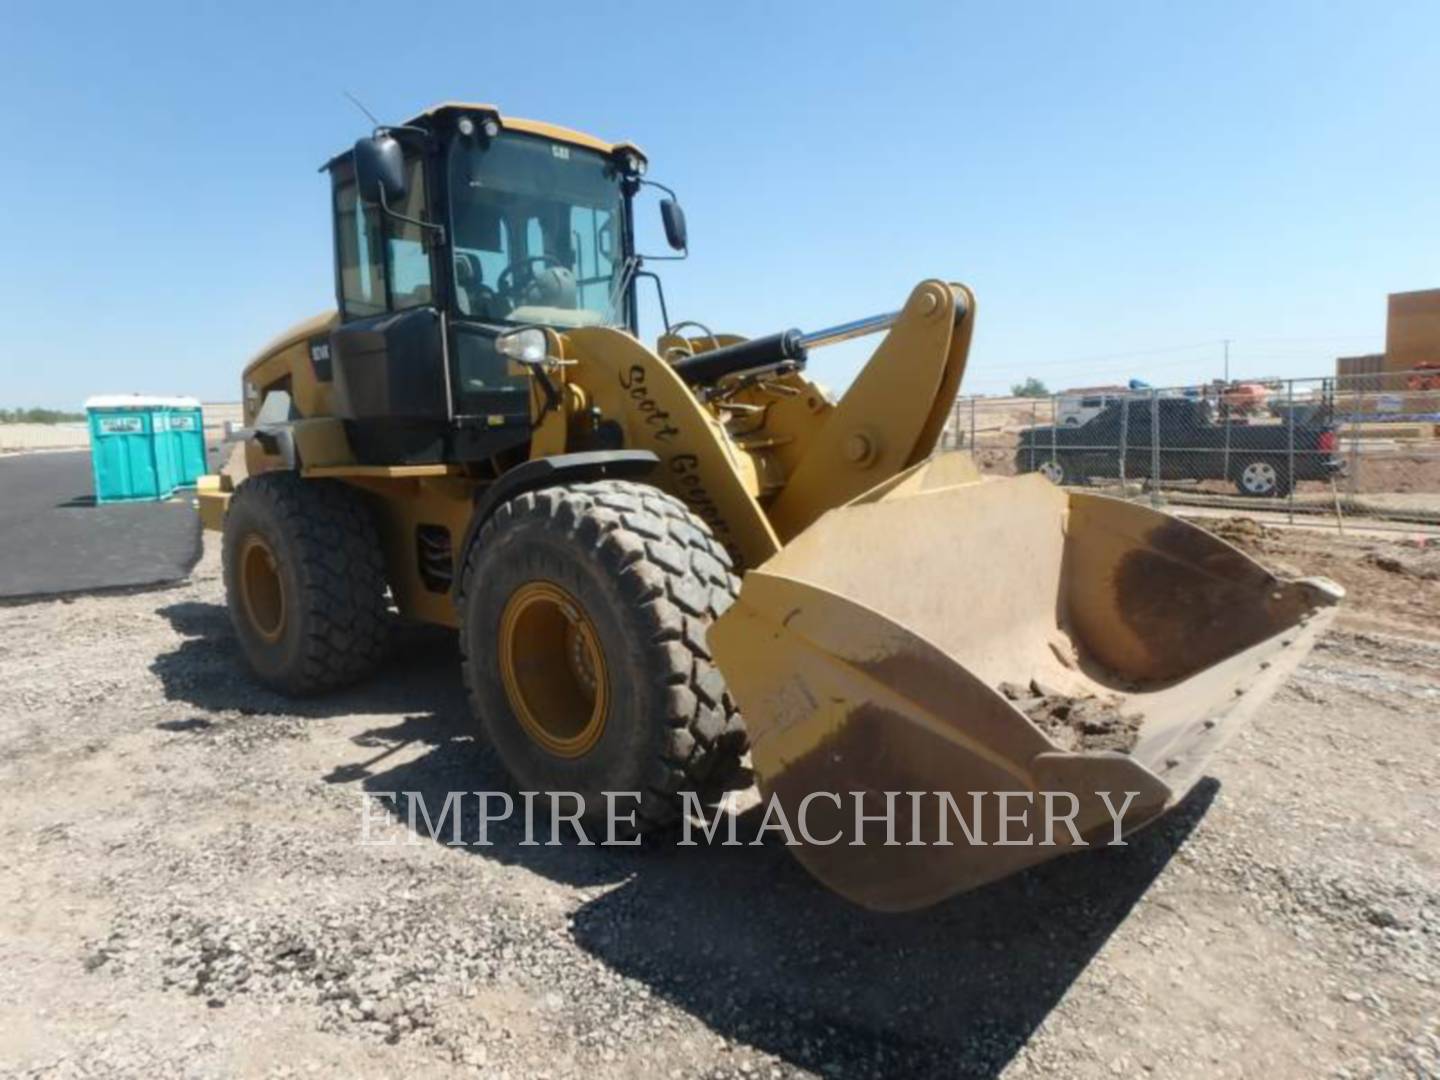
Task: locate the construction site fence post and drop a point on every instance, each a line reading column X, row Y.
column 1154, row 447
column 1124, row 442
column 1034, row 423
column 1224, row 415
column 1351, row 426
column 1054, row 428
column 1290, row 447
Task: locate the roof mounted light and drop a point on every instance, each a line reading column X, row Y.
column 486, row 124
column 628, row 161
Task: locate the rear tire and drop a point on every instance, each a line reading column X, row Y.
column 304, row 582
column 583, row 615
column 1260, row 478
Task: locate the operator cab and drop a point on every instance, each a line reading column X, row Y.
column 450, row 230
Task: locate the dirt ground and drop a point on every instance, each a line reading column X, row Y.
column 1391, row 587
column 1402, row 471
column 21, row 438
column 184, row 891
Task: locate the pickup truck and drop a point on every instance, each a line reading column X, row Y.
column 1261, row 459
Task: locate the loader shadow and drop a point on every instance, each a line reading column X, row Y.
column 421, row 679
column 420, row 686
column 744, row 940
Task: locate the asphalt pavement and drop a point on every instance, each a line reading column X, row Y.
column 55, row 540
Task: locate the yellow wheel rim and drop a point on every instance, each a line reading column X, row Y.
column 553, row 669
column 261, row 590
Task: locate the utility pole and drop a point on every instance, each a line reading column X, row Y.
column 1227, row 361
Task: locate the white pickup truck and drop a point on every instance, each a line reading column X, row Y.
column 1075, row 410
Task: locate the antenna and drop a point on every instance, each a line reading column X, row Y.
column 359, row 105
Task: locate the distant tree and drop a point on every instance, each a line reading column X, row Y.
column 1031, row 387
column 38, row 416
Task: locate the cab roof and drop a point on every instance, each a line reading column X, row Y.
column 447, row 109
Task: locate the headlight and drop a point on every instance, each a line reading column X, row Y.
column 635, row 164
column 526, row 346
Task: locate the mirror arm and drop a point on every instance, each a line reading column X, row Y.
column 438, row 229
column 657, row 184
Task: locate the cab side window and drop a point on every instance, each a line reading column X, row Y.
column 406, row 251
column 592, row 237
column 369, row 248
column 357, row 237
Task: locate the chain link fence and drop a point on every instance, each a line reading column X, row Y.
column 1364, row 446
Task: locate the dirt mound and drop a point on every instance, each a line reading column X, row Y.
column 1425, row 565
column 1075, row 723
column 999, row 461
column 1245, row 533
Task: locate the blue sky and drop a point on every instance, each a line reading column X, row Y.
column 1124, row 185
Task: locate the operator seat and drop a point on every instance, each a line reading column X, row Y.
column 469, row 277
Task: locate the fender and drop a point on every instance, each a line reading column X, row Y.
column 548, row 472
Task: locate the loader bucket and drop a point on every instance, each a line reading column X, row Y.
column 961, row 638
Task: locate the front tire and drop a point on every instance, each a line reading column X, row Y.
column 304, row 582
column 583, row 618
column 1054, row 470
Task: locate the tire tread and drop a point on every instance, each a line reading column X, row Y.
column 346, row 624
column 671, row 569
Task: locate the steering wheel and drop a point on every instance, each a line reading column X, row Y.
column 517, row 277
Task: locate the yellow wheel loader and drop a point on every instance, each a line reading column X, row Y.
column 660, row 559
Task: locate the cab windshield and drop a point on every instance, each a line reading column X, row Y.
column 536, row 229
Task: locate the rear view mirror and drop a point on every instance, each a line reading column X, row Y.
column 380, row 170
column 674, row 218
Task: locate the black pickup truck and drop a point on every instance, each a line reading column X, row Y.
column 1261, row 459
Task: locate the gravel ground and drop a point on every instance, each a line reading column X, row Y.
column 184, row 893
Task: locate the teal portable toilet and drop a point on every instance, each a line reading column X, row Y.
column 185, row 427
column 144, row 447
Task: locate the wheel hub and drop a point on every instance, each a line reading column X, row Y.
column 1259, row 476
column 553, row 669
column 262, row 590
